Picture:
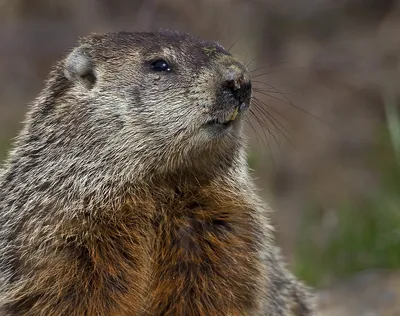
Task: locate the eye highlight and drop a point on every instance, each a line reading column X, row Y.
column 160, row 65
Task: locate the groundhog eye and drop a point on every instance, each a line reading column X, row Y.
column 160, row 65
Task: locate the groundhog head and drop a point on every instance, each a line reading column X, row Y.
column 161, row 97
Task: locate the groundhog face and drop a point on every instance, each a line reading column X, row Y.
column 167, row 90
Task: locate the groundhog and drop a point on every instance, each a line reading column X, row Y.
column 127, row 191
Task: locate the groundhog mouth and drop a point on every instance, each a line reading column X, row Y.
column 227, row 118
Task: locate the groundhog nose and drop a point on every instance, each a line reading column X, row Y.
column 234, row 83
column 233, row 78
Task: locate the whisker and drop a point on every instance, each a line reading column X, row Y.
column 278, row 71
column 270, row 133
column 275, row 89
column 274, row 97
column 288, row 102
column 266, row 137
column 258, row 135
column 271, row 66
column 251, row 61
column 264, row 111
column 249, row 123
column 257, row 89
column 275, row 122
column 233, row 44
column 288, row 136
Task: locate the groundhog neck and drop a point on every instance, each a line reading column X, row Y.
column 83, row 182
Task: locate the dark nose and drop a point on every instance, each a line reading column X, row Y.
column 236, row 85
column 234, row 79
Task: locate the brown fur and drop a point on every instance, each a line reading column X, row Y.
column 102, row 214
column 148, row 258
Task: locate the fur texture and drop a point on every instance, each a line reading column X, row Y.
column 121, row 198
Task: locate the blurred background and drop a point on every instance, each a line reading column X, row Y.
column 324, row 143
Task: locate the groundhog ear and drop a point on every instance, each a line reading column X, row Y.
column 79, row 67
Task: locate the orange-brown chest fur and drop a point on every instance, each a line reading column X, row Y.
column 182, row 255
column 205, row 263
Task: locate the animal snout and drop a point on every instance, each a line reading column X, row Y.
column 236, row 84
